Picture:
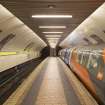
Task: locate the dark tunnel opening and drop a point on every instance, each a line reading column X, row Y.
column 48, row 51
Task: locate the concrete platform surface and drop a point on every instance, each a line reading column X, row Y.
column 51, row 83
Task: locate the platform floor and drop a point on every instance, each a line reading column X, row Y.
column 51, row 83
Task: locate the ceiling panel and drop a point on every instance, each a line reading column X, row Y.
column 79, row 9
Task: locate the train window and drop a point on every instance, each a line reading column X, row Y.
column 101, row 70
column 79, row 57
column 84, row 59
column 93, row 64
column 89, row 60
column 67, row 56
column 96, row 65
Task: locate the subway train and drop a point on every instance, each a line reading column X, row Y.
column 89, row 66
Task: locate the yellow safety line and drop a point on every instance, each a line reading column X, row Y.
column 7, row 53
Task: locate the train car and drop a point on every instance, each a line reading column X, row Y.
column 65, row 55
column 89, row 66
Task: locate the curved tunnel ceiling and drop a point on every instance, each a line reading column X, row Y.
column 79, row 9
column 90, row 32
column 23, row 35
column 15, row 39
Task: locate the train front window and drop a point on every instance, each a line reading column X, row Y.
column 93, row 64
column 96, row 66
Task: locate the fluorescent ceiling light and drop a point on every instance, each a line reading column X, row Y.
column 52, row 26
column 53, row 36
column 51, row 16
column 52, row 32
column 53, row 41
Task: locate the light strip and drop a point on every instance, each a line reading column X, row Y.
column 52, row 32
column 52, row 26
column 54, row 41
column 7, row 53
column 51, row 16
column 53, row 36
